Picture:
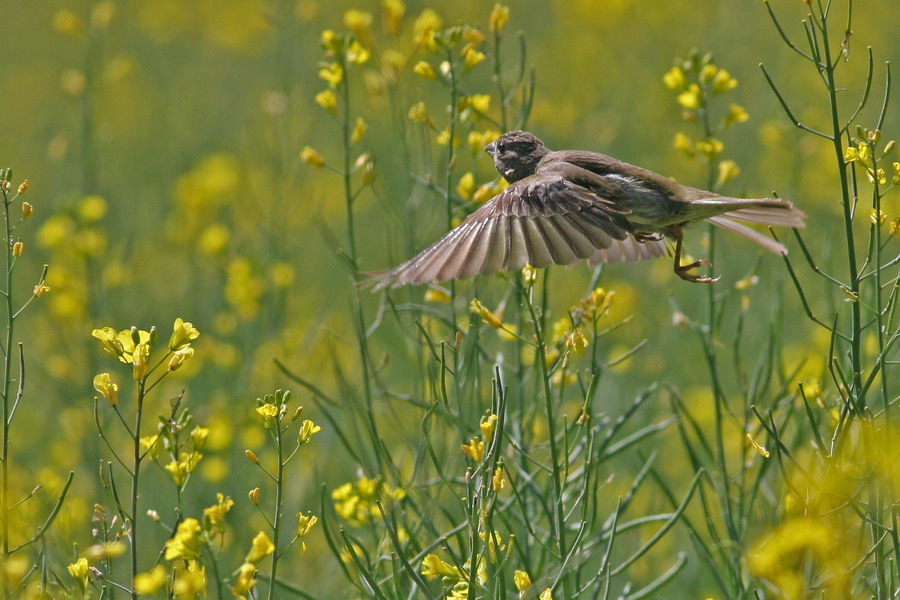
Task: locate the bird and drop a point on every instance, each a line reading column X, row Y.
column 568, row 205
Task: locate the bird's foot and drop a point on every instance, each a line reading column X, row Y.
column 682, row 271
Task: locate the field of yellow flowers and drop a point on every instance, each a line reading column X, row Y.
column 202, row 398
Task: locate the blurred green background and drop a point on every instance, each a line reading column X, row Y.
column 162, row 145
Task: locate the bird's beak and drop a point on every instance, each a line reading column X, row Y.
column 490, row 148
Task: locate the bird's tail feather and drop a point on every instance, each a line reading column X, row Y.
column 770, row 211
column 751, row 234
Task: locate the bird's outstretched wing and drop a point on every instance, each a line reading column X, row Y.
column 540, row 220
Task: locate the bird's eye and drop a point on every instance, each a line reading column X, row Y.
column 500, row 146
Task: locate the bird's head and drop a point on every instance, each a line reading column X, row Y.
column 516, row 154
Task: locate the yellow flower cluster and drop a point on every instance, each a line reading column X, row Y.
column 260, row 547
column 474, row 448
column 695, row 80
column 357, row 502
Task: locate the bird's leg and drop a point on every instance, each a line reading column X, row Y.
column 682, row 270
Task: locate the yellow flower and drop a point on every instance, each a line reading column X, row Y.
column 683, row 143
column 723, row 82
column 424, row 28
column 17, row 249
column 895, row 226
column 66, row 23
column 443, row 138
column 880, row 176
column 356, row 54
column 758, row 447
column 330, row 40
column 214, row 239
column 497, row 481
column 418, row 114
column 180, row 469
column 92, row 208
column 102, row 14
column 393, row 14
column 327, row 100
column 710, row 148
column 105, row 550
column 253, row 495
column 486, row 192
column 522, row 581
column 472, row 57
column 480, row 102
column 333, row 74
column 433, row 566
column 261, row 547
column 149, row 583
column 424, row 69
column 576, row 341
column 736, row 114
column 878, row 218
column 182, row 334
column 466, row 186
column 546, row 595
column 692, row 98
column 858, row 154
column 28, row 209
column 775, row 556
column 55, row 231
column 80, row 572
column 437, row 295
column 707, row 73
column 487, row 316
column 305, row 524
column 728, row 170
column 498, row 19
column 745, row 284
column 245, row 580
column 474, row 449
column 488, row 425
column 214, row 516
column 311, row 157
column 307, row 430
column 190, row 583
column 109, row 389
column 179, row 357
column 359, row 22
column 674, row 79
column 359, row 130
column 269, row 412
column 185, row 544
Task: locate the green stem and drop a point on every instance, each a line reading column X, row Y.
column 856, row 393
column 448, row 180
column 7, row 366
column 276, row 522
column 555, row 474
column 135, row 480
column 345, row 139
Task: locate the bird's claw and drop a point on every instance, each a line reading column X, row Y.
column 682, row 271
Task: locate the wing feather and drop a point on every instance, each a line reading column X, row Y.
column 540, row 220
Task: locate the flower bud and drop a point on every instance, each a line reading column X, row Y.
column 254, row 495
column 23, row 187
column 251, row 456
column 18, row 248
column 27, row 210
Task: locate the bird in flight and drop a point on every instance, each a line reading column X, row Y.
column 568, row 205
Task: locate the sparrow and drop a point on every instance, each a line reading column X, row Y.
column 562, row 206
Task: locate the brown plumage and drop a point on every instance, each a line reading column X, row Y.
column 569, row 205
